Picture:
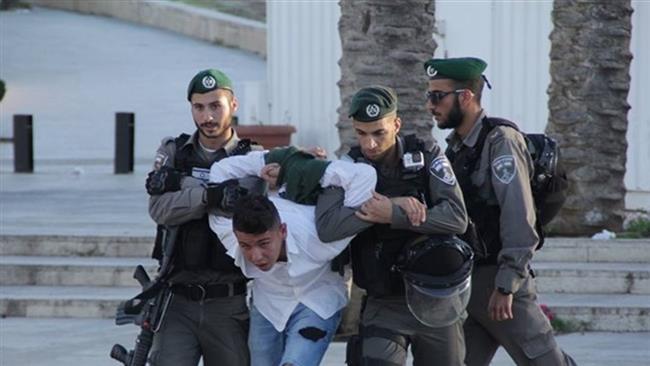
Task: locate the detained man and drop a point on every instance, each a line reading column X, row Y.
column 296, row 298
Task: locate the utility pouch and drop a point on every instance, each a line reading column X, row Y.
column 194, row 245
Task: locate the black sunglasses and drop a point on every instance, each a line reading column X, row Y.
column 435, row 96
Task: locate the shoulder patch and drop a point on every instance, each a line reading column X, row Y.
column 441, row 169
column 159, row 162
column 504, row 169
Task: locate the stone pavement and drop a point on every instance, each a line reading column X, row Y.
column 72, row 72
column 74, row 199
column 45, row 342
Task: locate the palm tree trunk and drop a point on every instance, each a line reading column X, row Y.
column 590, row 80
column 386, row 42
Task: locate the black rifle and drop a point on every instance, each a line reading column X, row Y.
column 148, row 308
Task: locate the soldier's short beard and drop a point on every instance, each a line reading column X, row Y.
column 198, row 127
column 454, row 118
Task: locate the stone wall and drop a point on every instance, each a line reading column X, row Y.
column 207, row 25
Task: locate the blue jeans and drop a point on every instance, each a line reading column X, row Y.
column 268, row 347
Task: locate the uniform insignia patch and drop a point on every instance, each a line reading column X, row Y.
column 208, row 82
column 504, row 169
column 441, row 169
column 372, row 110
column 160, row 160
column 431, row 72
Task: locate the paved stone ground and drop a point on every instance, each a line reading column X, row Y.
column 73, row 72
column 45, row 342
column 72, row 199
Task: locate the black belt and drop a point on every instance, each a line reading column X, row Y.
column 196, row 292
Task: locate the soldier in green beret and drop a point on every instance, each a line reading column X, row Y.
column 207, row 316
column 416, row 194
column 493, row 166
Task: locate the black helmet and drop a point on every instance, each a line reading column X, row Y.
column 437, row 276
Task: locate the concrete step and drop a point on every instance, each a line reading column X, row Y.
column 588, row 250
column 83, row 246
column 62, row 301
column 562, row 277
column 587, row 312
column 555, row 249
column 72, row 271
column 594, row 277
column 598, row 312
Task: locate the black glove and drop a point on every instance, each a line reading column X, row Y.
column 224, row 195
column 163, row 180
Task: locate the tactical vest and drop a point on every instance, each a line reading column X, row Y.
column 374, row 251
column 484, row 216
column 197, row 246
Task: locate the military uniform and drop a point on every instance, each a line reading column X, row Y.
column 387, row 326
column 500, row 202
column 207, row 315
column 215, row 323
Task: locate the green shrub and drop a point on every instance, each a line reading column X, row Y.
column 638, row 228
column 563, row 326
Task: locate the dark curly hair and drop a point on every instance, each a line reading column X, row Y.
column 255, row 214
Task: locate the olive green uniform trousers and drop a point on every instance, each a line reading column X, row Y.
column 216, row 329
column 399, row 329
column 528, row 337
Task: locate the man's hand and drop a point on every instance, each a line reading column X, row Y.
column 500, row 306
column 165, row 179
column 377, row 209
column 270, row 173
column 415, row 210
column 224, row 195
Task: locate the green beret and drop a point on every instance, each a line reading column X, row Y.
column 207, row 81
column 461, row 69
column 372, row 103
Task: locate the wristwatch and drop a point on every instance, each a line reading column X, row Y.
column 503, row 291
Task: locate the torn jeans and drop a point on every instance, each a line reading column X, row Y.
column 303, row 341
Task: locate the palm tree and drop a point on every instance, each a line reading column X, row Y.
column 590, row 80
column 386, row 42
